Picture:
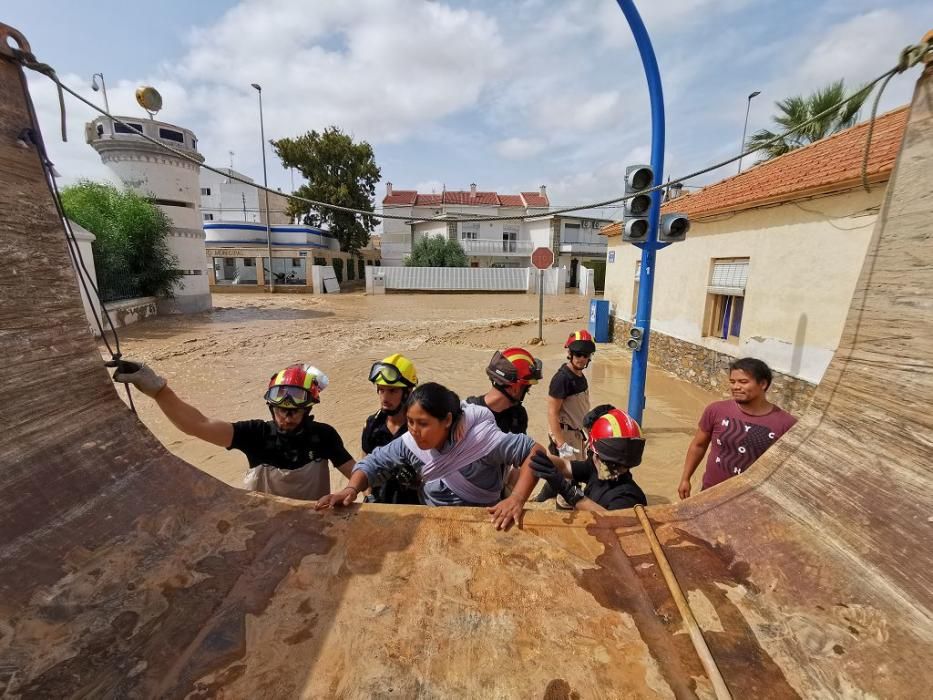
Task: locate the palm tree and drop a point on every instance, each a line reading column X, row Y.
column 794, row 111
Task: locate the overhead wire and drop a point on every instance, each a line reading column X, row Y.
column 49, row 72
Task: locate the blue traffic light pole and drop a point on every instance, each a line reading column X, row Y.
column 636, row 394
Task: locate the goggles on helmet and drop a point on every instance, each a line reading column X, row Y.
column 288, row 397
column 389, row 374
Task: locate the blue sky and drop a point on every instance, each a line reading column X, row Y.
column 507, row 95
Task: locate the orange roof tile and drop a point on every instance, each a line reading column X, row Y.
column 830, row 165
column 465, row 198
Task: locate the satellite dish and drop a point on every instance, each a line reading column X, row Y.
column 149, row 99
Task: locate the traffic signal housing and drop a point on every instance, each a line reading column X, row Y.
column 635, row 211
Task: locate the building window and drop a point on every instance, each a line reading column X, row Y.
column 509, row 240
column 208, row 217
column 469, row 231
column 234, row 271
column 725, row 298
column 127, row 128
column 361, row 268
column 351, row 269
column 286, row 270
column 171, row 135
column 452, row 230
column 320, row 261
column 205, row 191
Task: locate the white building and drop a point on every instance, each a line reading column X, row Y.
column 226, row 199
column 575, row 240
column 487, row 243
column 169, row 181
column 769, row 266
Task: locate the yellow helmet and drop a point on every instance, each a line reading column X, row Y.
column 395, row 370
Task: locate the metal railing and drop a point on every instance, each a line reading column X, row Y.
column 494, row 247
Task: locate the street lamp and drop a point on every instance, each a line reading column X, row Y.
column 265, row 183
column 102, row 87
column 748, row 106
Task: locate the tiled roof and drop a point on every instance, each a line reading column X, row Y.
column 465, row 198
column 401, row 198
column 535, row 199
column 829, row 165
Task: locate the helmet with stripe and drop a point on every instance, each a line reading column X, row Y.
column 514, row 366
column 581, row 343
column 296, row 386
column 617, row 440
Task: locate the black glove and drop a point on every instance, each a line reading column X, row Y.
column 544, row 468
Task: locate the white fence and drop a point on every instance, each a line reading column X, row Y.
column 463, row 279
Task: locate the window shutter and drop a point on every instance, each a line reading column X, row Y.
column 729, row 277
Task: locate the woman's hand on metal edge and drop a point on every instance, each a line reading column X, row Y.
column 506, row 512
column 344, row 497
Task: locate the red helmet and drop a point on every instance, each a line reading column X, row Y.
column 581, row 343
column 514, row 366
column 616, row 438
column 296, row 386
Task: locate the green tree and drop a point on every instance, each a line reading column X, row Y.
column 339, row 171
column 131, row 253
column 434, row 251
column 793, row 111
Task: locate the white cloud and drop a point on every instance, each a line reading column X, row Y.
column 517, row 148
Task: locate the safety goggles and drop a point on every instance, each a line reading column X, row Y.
column 289, row 397
column 388, row 373
column 503, row 367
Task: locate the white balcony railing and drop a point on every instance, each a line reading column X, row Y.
column 487, row 247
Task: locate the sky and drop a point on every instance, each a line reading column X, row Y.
column 507, row 95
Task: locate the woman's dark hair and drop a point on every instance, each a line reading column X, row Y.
column 756, row 369
column 436, row 400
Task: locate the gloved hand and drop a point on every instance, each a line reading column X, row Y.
column 544, row 468
column 567, row 451
column 139, row 375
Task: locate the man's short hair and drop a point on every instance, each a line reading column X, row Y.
column 755, row 368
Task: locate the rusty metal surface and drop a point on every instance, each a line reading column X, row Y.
column 125, row 572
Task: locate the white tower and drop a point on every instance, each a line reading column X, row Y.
column 171, row 183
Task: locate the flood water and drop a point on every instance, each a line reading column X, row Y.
column 221, row 361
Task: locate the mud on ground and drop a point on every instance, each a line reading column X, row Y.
column 221, row 361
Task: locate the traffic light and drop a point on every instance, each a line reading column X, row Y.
column 673, row 228
column 635, row 335
column 635, row 212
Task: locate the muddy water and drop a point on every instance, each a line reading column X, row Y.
column 221, row 361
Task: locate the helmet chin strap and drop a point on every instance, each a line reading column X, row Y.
column 401, row 405
column 512, row 399
column 295, row 431
column 588, row 360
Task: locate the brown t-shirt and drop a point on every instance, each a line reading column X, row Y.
column 738, row 439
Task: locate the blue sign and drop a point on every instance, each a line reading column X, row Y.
column 612, row 256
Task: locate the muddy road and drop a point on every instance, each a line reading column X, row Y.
column 221, row 362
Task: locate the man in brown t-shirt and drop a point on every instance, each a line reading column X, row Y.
column 738, row 431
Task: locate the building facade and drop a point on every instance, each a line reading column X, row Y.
column 486, row 243
column 170, row 182
column 226, row 199
column 239, row 258
column 769, row 266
